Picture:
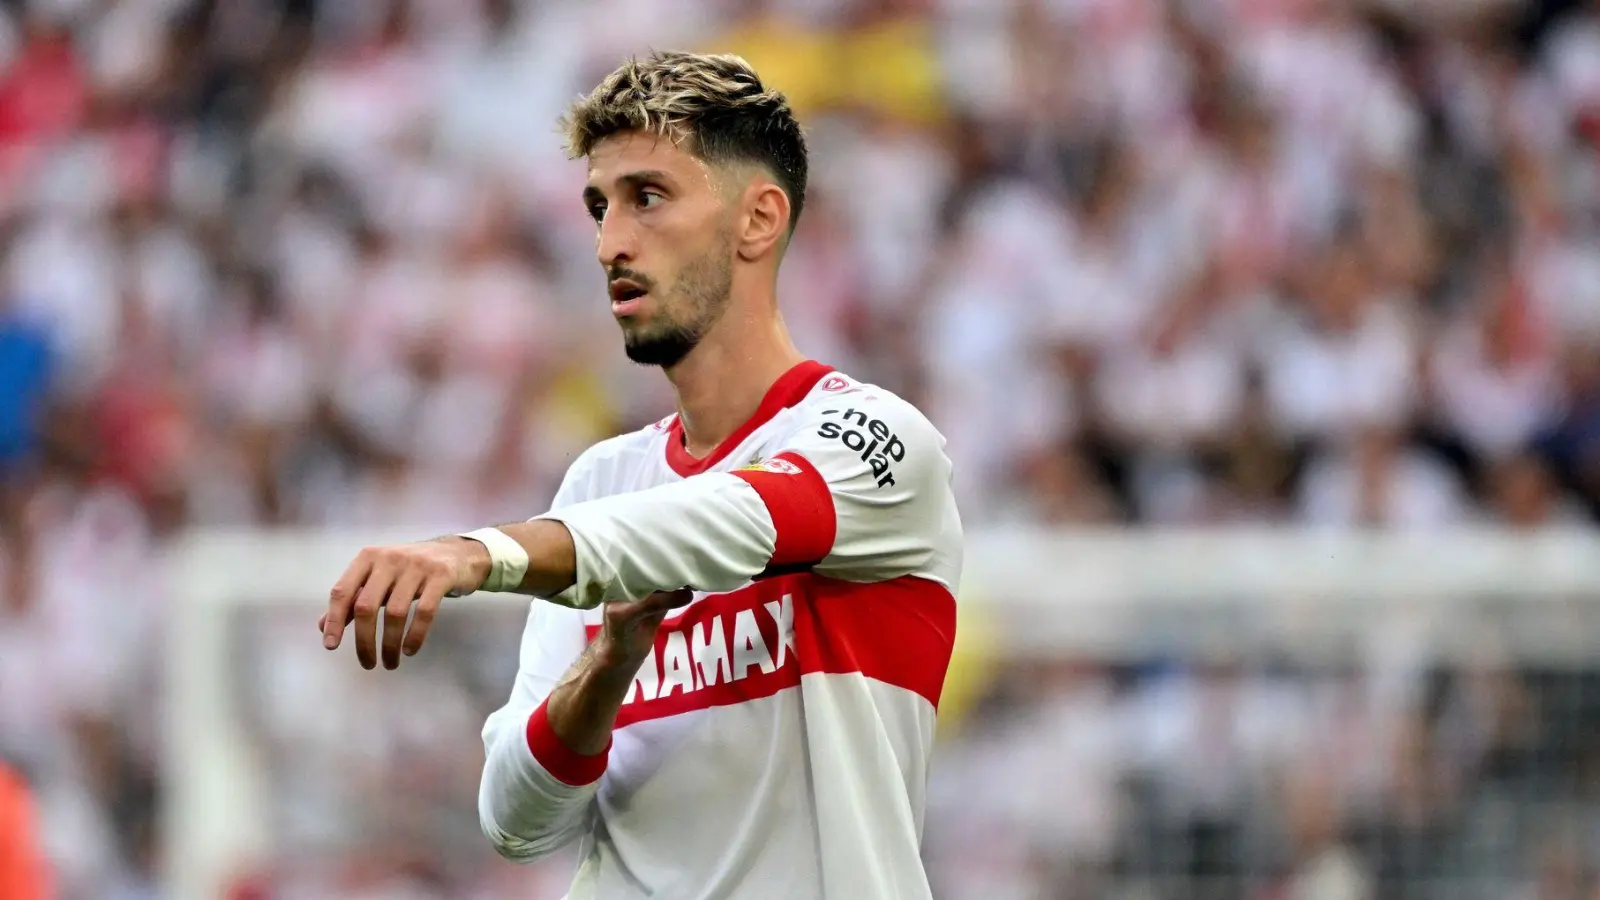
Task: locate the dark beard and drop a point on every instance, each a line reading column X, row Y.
column 662, row 349
column 706, row 287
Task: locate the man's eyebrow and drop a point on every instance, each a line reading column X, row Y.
column 632, row 181
column 647, row 176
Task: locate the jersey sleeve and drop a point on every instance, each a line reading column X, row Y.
column 858, row 491
column 888, row 506
column 536, row 796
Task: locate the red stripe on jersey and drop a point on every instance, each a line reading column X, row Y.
column 900, row 632
column 558, row 759
column 751, row 643
column 801, row 506
column 790, row 388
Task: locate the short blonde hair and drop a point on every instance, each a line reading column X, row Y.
column 715, row 104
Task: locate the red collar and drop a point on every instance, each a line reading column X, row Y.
column 790, row 388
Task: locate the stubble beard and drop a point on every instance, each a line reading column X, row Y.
column 695, row 304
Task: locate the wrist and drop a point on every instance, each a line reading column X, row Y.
column 478, row 563
column 473, row 563
column 535, row 557
column 495, row 561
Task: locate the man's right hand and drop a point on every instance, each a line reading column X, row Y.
column 628, row 631
column 390, row 579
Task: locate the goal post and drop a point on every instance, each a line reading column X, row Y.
column 232, row 794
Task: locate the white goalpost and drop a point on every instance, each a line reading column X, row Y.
column 1111, row 594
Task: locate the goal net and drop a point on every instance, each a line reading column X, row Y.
column 1219, row 714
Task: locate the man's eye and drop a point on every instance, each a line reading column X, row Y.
column 597, row 212
column 648, row 199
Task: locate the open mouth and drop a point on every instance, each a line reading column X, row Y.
column 626, row 296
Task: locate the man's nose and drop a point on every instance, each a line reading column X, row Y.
column 616, row 242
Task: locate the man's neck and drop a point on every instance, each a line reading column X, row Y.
column 721, row 383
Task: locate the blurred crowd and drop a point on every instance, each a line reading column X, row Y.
column 1203, row 776
column 290, row 262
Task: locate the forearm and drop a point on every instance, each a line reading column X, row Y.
column 639, row 555
column 551, row 557
column 540, row 778
column 710, row 533
column 583, row 709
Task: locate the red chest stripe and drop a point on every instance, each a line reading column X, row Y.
column 754, row 642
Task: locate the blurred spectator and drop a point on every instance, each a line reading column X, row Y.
column 1377, row 480
column 1285, row 262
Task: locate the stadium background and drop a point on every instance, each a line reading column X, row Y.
column 1192, row 265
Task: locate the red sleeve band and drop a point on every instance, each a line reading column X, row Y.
column 801, row 506
column 568, row 767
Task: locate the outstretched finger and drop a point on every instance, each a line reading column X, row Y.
column 395, row 611
column 322, row 620
column 368, row 604
column 427, row 606
column 341, row 600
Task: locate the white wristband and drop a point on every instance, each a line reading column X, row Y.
column 508, row 562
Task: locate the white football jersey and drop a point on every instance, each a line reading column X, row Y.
column 776, row 744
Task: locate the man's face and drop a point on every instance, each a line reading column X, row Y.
column 664, row 238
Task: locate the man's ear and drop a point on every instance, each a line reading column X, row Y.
column 764, row 225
